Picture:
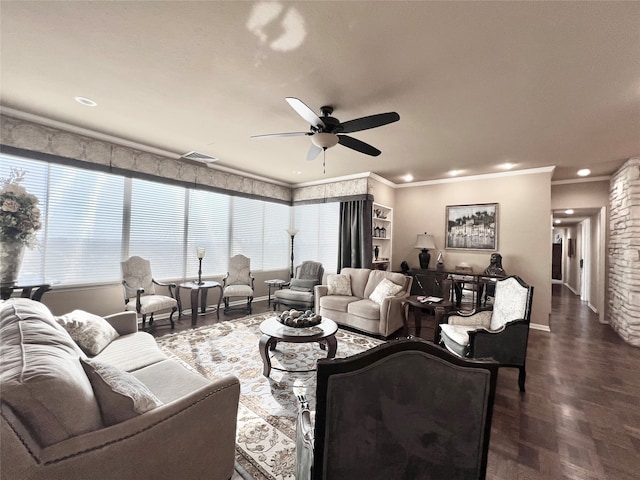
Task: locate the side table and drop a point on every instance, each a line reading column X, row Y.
column 195, row 290
column 34, row 291
column 274, row 284
column 412, row 303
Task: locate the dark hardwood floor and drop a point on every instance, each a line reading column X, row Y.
column 580, row 416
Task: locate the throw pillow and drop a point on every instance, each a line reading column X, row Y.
column 91, row 332
column 339, row 285
column 120, row 395
column 301, row 285
column 386, row 288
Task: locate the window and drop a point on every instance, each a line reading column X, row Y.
column 208, row 227
column 258, row 232
column 81, row 234
column 318, row 235
column 92, row 220
column 157, row 227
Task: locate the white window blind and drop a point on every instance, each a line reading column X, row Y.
column 92, row 220
column 208, row 227
column 275, row 238
column 82, row 223
column 318, row 235
column 247, row 222
column 157, row 227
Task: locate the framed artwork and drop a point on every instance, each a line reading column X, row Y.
column 472, row 227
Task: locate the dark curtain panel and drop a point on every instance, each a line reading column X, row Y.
column 355, row 247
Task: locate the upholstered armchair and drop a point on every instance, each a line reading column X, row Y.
column 300, row 293
column 500, row 331
column 238, row 282
column 139, row 284
column 404, row 409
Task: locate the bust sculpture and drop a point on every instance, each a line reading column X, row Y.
column 495, row 266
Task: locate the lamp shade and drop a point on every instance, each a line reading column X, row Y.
column 324, row 139
column 425, row 242
column 292, row 232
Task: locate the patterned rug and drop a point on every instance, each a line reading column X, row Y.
column 265, row 442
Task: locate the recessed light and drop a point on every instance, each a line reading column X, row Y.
column 408, row 177
column 557, row 221
column 87, row 102
column 454, row 173
column 584, row 172
column 569, row 212
column 507, row 165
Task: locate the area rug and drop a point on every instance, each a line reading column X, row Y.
column 265, row 441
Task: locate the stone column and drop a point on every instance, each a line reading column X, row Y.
column 624, row 252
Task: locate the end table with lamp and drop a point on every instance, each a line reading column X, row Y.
column 198, row 288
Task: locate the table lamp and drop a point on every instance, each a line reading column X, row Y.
column 200, row 251
column 424, row 242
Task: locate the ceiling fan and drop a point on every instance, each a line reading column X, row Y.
column 327, row 131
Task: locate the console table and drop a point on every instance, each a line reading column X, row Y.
column 34, row 291
column 449, row 284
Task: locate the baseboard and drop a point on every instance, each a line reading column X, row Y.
column 569, row 287
column 538, row 326
column 187, row 311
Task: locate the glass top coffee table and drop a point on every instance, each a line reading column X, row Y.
column 273, row 332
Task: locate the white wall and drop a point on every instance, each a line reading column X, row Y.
column 524, row 226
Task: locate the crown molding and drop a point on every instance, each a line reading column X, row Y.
column 355, row 176
column 486, row 176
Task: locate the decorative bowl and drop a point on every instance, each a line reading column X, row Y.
column 297, row 319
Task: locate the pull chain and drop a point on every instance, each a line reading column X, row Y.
column 324, row 158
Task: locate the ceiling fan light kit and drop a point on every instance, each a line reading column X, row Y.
column 324, row 140
column 328, row 131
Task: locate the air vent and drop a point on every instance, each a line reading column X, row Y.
column 199, row 157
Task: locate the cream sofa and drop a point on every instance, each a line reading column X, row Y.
column 358, row 310
column 58, row 417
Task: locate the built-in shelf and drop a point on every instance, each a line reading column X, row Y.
column 381, row 235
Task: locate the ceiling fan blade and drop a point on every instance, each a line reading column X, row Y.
column 305, row 112
column 313, row 152
column 358, row 145
column 287, row 134
column 372, row 121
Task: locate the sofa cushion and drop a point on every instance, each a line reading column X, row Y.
column 41, row 376
column 377, row 276
column 359, row 278
column 338, row 303
column 292, row 296
column 183, row 379
column 365, row 308
column 339, row 285
column 118, row 352
column 386, row 288
column 120, row 395
column 91, row 332
column 303, row 285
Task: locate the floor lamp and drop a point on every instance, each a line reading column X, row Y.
column 292, row 233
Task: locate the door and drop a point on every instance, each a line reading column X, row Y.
column 556, row 262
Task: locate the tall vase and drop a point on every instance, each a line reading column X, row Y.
column 11, row 254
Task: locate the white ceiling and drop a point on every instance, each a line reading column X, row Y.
column 476, row 84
